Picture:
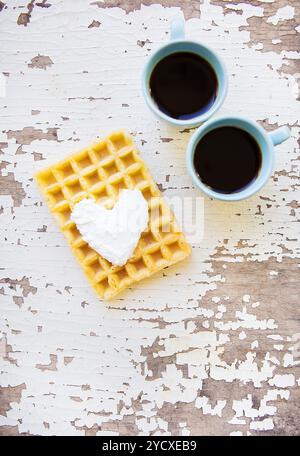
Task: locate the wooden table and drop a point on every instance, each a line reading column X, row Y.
column 210, row 346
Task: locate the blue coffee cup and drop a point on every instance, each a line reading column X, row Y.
column 177, row 44
column 265, row 140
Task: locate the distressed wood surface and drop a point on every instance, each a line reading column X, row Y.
column 210, row 346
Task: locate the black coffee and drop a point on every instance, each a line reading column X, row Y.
column 227, row 159
column 183, row 85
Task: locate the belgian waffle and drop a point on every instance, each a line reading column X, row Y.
column 100, row 172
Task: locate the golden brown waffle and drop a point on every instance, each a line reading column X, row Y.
column 101, row 171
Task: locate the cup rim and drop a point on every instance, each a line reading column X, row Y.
column 253, row 187
column 195, row 121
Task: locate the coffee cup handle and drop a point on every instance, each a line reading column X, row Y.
column 177, row 29
column 280, row 135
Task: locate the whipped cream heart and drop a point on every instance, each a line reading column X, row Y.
column 113, row 233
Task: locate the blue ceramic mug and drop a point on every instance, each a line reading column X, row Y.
column 177, row 44
column 266, row 142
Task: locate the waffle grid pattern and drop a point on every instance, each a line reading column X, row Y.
column 100, row 172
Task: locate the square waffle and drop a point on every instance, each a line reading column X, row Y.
column 100, row 172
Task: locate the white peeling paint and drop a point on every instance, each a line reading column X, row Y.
column 148, row 350
column 284, row 13
column 263, row 425
column 288, row 360
column 274, row 337
column 242, row 335
column 282, row 381
column 203, row 403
